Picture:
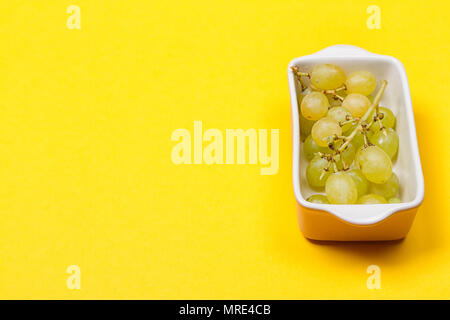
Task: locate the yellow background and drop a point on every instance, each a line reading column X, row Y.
column 86, row 176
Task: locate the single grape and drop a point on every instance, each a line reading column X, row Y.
column 347, row 155
column 318, row 198
column 362, row 185
column 305, row 125
column 314, row 105
column 358, row 140
column 374, row 163
column 310, row 148
column 314, row 172
column 371, row 199
column 323, row 129
column 394, row 200
column 341, row 189
column 327, row 76
column 362, row 82
column 388, row 189
column 340, row 114
column 357, row 104
column 386, row 139
column 388, row 120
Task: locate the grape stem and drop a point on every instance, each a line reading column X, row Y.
column 359, row 127
column 330, row 91
column 337, row 97
column 344, row 165
column 333, row 92
column 326, row 169
column 380, row 123
column 343, row 123
column 299, row 75
column 366, row 139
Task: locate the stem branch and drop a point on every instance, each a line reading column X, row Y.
column 365, row 116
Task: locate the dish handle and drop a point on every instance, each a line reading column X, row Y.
column 344, row 50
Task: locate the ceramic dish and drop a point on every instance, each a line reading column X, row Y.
column 361, row 222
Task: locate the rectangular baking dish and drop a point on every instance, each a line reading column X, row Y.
column 361, row 222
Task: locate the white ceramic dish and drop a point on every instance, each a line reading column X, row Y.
column 396, row 97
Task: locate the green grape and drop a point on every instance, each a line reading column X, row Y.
column 386, row 139
column 341, row 189
column 314, row 105
column 362, row 82
column 388, row 120
column 324, row 128
column 358, row 139
column 394, row 200
column 362, row 185
column 358, row 154
column 357, row 104
column 327, row 76
column 310, row 148
column 318, row 198
column 371, row 199
column 314, row 172
column 374, row 163
column 305, row 125
column 387, row 189
column 340, row 114
column 347, row 155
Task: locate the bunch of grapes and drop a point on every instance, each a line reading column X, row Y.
column 349, row 140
